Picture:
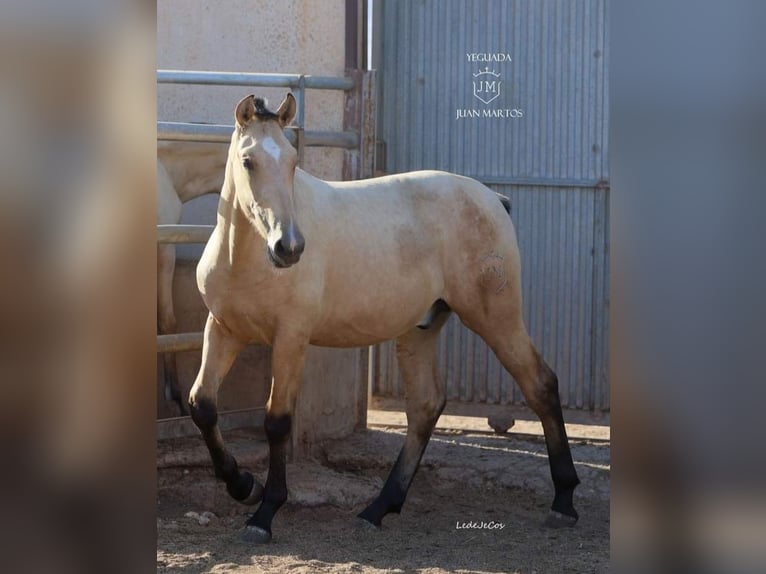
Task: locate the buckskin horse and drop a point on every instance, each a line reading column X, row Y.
column 185, row 171
column 296, row 261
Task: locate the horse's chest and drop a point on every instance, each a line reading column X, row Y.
column 235, row 303
column 256, row 303
column 249, row 320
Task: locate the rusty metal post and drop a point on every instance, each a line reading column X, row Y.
column 352, row 121
column 368, row 122
column 355, row 34
column 360, row 115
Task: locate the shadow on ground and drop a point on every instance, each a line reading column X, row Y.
column 463, row 478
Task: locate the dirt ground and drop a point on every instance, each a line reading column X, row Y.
column 464, row 476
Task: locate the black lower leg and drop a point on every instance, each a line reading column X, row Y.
column 275, row 491
column 394, row 491
column 565, row 478
column 239, row 484
column 391, row 497
column 563, row 472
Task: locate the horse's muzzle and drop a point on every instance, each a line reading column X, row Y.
column 287, row 251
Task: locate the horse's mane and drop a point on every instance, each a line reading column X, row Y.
column 262, row 112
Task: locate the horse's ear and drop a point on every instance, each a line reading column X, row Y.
column 245, row 111
column 286, row 111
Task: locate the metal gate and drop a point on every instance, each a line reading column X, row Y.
column 514, row 94
column 356, row 140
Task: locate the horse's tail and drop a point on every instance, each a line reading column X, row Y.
column 506, row 203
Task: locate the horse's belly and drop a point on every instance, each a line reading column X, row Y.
column 347, row 338
column 370, row 315
column 360, row 333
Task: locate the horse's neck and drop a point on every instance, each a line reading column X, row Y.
column 205, row 177
column 308, row 188
column 196, row 170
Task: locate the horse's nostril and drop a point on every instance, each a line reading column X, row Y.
column 290, row 245
column 288, row 251
column 279, row 250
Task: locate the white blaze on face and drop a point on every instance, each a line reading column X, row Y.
column 271, row 148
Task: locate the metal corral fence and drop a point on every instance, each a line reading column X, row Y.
column 357, row 138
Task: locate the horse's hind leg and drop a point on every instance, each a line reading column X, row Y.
column 416, row 354
column 166, row 321
column 218, row 353
column 539, row 385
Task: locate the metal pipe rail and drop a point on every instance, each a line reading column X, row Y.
column 184, row 233
column 182, row 131
column 259, row 80
column 177, row 342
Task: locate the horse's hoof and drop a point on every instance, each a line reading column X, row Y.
column 256, row 535
column 559, row 520
column 370, row 516
column 366, row 525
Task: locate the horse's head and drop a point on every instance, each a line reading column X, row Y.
column 262, row 167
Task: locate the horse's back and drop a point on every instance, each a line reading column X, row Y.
column 424, row 209
column 454, row 203
column 422, row 193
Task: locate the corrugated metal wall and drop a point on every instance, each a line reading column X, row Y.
column 552, row 163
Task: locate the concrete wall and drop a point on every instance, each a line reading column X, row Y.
column 294, row 36
column 289, row 36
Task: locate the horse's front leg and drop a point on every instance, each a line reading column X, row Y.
column 287, row 364
column 219, row 350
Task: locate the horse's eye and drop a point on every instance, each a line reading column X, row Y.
column 247, row 163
